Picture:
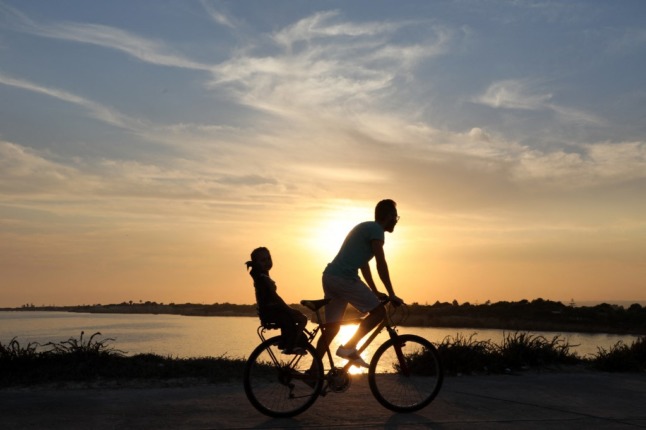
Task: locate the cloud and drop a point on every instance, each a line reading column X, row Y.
column 318, row 26
column 593, row 165
column 217, row 16
column 522, row 94
column 25, row 172
column 149, row 51
column 513, row 94
column 143, row 49
column 324, row 65
column 96, row 110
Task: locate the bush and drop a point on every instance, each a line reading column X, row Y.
column 621, row 357
column 522, row 350
column 460, row 354
column 13, row 351
column 519, row 351
column 93, row 359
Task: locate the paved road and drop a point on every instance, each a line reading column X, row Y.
column 527, row 401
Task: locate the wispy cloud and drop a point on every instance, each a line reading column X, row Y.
column 326, row 64
column 25, row 172
column 96, row 110
column 39, row 178
column 513, row 94
column 523, row 94
column 592, row 165
column 147, row 50
column 320, row 26
column 217, row 16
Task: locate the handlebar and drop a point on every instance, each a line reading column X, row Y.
column 386, row 299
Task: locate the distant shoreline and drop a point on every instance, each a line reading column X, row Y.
column 538, row 315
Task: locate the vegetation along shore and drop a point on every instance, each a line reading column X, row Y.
column 94, row 360
column 536, row 315
column 91, row 359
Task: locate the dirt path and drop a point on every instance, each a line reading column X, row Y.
column 529, row 401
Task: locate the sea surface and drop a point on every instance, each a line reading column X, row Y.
column 232, row 337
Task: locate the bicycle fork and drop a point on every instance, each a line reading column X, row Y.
column 398, row 344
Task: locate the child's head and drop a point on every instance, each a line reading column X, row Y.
column 261, row 259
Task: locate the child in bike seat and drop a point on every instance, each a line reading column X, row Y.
column 272, row 308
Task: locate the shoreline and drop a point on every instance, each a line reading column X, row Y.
column 415, row 319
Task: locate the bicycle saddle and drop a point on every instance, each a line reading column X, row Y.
column 315, row 305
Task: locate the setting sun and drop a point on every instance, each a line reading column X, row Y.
column 331, row 229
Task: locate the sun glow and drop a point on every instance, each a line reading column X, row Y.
column 345, row 333
column 333, row 226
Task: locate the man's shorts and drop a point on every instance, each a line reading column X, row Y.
column 342, row 291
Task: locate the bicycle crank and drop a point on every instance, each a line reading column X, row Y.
column 338, row 380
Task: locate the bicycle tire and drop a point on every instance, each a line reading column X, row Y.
column 410, row 389
column 277, row 384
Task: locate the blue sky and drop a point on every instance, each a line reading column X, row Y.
column 147, row 144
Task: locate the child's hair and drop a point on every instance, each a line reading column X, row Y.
column 254, row 255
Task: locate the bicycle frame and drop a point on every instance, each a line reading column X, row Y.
column 321, row 327
column 385, row 323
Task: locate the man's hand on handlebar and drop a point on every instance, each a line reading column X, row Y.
column 396, row 301
column 383, row 297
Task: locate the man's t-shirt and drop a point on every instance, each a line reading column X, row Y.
column 356, row 250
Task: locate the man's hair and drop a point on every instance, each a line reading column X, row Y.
column 384, row 209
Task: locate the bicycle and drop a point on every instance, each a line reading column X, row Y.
column 405, row 372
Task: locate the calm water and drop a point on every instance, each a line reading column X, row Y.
column 234, row 337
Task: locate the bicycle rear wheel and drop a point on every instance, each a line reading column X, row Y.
column 280, row 385
column 405, row 373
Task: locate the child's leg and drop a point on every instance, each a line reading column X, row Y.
column 300, row 321
column 287, row 329
column 292, row 323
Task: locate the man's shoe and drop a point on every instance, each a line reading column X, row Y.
column 351, row 355
column 297, row 350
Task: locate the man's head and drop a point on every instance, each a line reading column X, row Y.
column 386, row 214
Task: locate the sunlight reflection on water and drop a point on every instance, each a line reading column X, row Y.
column 233, row 337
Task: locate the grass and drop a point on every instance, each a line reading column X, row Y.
column 622, row 358
column 523, row 351
column 94, row 359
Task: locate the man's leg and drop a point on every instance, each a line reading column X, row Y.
column 329, row 332
column 368, row 323
column 334, row 312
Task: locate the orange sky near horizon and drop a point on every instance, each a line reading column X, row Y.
column 430, row 257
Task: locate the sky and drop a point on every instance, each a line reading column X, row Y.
column 146, row 147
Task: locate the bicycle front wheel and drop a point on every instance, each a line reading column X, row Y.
column 280, row 385
column 405, row 373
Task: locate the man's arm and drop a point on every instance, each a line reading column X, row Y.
column 382, row 265
column 382, row 269
column 367, row 276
